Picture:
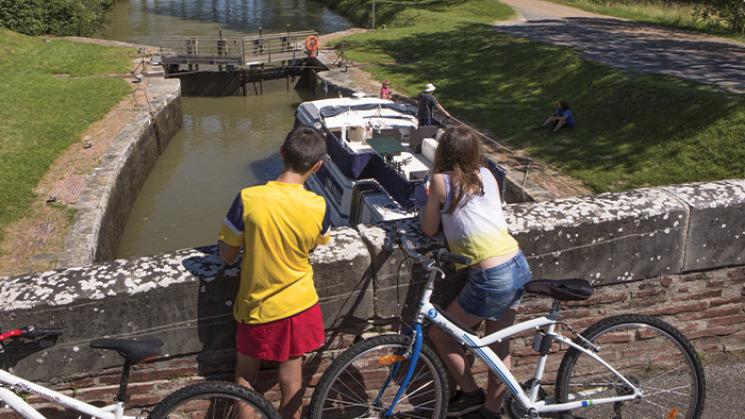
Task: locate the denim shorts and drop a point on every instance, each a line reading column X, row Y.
column 490, row 292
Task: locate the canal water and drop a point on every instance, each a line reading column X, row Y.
column 226, row 143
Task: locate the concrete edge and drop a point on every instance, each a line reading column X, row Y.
column 123, row 162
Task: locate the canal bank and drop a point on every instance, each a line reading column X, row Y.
column 128, row 143
column 40, row 239
column 527, row 180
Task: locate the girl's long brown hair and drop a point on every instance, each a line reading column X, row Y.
column 459, row 154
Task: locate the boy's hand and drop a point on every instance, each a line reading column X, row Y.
column 227, row 253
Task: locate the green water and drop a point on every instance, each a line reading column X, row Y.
column 226, row 143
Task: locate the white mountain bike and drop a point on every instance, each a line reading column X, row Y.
column 209, row 399
column 629, row 366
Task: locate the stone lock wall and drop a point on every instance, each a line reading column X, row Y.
column 674, row 252
column 112, row 188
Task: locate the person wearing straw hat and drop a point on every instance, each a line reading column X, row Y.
column 427, row 103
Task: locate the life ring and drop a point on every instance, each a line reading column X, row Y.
column 311, row 43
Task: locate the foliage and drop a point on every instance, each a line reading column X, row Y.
column 54, row 17
column 714, row 17
column 731, row 11
column 633, row 130
column 42, row 113
column 403, row 13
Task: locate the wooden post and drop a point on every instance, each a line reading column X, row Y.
column 243, row 81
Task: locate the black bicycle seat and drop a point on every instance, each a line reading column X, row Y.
column 133, row 350
column 561, row 289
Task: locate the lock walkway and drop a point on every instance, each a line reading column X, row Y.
column 236, row 51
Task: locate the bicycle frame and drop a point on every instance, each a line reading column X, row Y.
column 480, row 348
column 18, row 404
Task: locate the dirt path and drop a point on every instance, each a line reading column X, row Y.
column 632, row 46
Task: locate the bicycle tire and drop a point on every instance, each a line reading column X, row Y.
column 214, row 399
column 650, row 353
column 352, row 383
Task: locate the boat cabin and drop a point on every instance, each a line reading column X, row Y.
column 377, row 155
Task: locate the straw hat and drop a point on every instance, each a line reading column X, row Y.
column 429, row 87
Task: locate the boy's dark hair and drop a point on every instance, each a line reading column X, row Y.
column 303, row 148
column 563, row 105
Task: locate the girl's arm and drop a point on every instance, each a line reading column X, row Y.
column 430, row 221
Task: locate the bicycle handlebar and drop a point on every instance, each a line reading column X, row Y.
column 443, row 255
column 440, row 255
column 30, row 332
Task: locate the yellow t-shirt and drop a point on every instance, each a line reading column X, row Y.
column 278, row 224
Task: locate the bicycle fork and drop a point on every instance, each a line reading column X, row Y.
column 413, row 357
column 413, row 353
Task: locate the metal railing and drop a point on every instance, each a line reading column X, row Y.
column 234, row 50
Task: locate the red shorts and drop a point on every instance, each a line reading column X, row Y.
column 282, row 339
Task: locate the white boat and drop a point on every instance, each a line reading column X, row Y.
column 377, row 155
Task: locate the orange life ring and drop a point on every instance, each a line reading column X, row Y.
column 311, row 43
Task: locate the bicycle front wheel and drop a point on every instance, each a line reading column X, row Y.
column 653, row 355
column 214, row 399
column 364, row 380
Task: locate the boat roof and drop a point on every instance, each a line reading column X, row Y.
column 343, row 112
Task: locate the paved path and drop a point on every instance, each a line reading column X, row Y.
column 632, row 46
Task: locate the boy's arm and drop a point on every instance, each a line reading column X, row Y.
column 230, row 238
column 325, row 236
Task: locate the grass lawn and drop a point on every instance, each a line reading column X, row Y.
column 50, row 93
column 633, row 130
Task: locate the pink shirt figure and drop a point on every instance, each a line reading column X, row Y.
column 385, row 91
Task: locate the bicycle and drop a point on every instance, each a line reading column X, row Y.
column 625, row 366
column 210, row 398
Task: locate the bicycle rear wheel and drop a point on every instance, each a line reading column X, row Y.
column 365, row 379
column 651, row 354
column 214, row 399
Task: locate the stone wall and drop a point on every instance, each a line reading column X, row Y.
column 674, row 252
column 111, row 190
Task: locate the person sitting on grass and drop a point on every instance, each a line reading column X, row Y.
column 561, row 118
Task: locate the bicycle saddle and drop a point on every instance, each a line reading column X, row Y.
column 561, row 289
column 133, row 350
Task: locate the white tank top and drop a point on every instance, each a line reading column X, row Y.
column 477, row 229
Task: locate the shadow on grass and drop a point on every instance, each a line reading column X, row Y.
column 632, row 129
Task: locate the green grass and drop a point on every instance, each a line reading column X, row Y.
column 673, row 15
column 42, row 115
column 633, row 130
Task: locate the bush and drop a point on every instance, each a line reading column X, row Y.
column 730, row 11
column 54, row 17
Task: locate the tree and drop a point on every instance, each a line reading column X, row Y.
column 54, row 17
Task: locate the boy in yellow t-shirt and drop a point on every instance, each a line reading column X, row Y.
column 278, row 225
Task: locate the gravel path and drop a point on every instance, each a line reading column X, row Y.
column 632, row 46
